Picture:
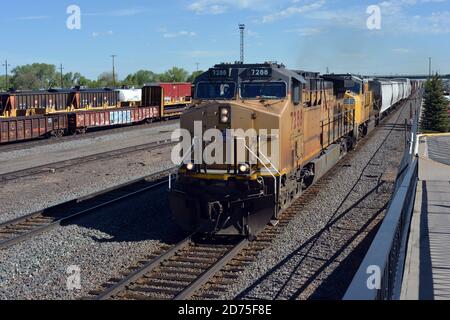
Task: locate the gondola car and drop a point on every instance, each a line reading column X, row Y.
column 29, row 115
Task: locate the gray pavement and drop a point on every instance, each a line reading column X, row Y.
column 427, row 267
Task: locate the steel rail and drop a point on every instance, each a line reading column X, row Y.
column 177, row 250
column 189, row 291
column 23, row 223
column 14, row 175
column 122, row 285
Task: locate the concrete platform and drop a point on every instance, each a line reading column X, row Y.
column 427, row 266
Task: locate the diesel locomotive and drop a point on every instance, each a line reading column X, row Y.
column 303, row 123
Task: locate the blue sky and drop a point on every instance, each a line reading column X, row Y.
column 156, row 35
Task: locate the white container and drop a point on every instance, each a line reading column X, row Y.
column 130, row 95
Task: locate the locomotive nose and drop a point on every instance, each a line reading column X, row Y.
column 211, row 116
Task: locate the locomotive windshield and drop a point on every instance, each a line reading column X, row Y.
column 263, row 90
column 216, row 90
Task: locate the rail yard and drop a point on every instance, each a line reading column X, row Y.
column 103, row 202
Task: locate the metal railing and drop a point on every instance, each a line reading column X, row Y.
column 381, row 272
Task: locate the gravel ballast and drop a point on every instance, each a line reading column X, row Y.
column 37, row 192
column 100, row 245
column 318, row 253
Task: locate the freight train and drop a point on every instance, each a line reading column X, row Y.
column 31, row 115
column 302, row 123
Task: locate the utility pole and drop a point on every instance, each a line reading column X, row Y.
column 242, row 30
column 61, row 75
column 113, row 56
column 6, row 65
column 197, row 63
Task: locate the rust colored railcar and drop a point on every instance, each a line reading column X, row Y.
column 27, row 128
column 79, row 122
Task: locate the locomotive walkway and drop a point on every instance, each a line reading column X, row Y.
column 427, row 266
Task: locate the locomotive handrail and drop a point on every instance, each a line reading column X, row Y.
column 267, row 168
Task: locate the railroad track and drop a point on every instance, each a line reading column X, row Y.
column 29, row 226
column 176, row 274
column 53, row 167
column 205, row 268
column 179, row 272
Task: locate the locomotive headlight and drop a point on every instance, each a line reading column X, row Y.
column 244, row 168
column 224, row 115
column 190, row 166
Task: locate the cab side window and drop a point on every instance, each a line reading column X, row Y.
column 296, row 92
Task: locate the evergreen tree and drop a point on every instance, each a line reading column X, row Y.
column 435, row 116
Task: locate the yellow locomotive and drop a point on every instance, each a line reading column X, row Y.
column 257, row 136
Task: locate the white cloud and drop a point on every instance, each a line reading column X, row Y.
column 305, row 32
column 33, row 18
column 292, row 10
column 128, row 12
column 102, row 34
column 182, row 33
column 223, row 6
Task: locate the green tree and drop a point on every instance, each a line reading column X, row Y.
column 174, row 75
column 106, row 80
column 140, row 78
column 435, row 116
column 34, row 76
column 3, row 84
column 194, row 75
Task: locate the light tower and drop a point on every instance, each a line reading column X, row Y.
column 242, row 29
